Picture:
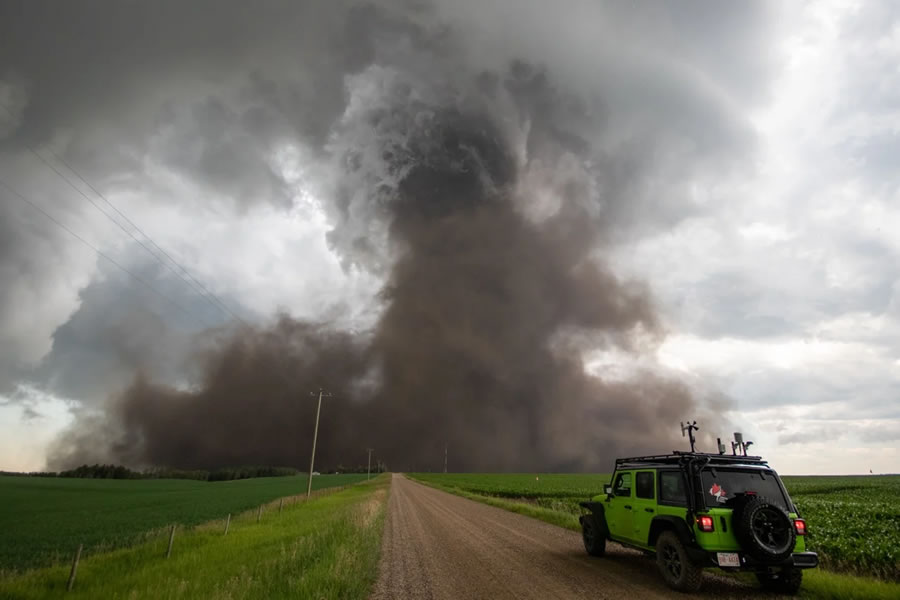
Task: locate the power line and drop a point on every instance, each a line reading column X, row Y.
column 204, row 293
column 208, row 296
column 94, row 248
column 119, row 225
column 220, row 304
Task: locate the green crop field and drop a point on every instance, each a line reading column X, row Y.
column 326, row 548
column 43, row 520
column 854, row 522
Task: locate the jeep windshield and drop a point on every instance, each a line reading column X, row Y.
column 721, row 485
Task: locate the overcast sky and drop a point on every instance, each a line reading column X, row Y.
column 758, row 144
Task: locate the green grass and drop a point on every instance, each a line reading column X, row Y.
column 826, row 585
column 854, row 522
column 327, row 548
column 43, row 520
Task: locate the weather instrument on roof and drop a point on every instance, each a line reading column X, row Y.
column 739, row 444
column 690, row 428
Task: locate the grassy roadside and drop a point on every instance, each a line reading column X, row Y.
column 44, row 519
column 817, row 583
column 327, row 548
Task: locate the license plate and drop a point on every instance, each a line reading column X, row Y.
column 728, row 559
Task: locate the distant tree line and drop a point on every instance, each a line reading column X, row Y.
column 30, row 473
column 229, row 473
column 101, row 472
column 98, row 471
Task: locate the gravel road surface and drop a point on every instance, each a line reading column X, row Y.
column 440, row 546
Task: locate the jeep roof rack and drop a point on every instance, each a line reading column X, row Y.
column 678, row 457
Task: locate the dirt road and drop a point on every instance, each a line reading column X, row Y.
column 440, row 546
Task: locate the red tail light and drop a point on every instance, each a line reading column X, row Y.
column 705, row 522
column 800, row 526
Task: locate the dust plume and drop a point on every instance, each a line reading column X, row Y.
column 483, row 199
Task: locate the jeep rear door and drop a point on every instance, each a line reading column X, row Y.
column 619, row 506
column 643, row 506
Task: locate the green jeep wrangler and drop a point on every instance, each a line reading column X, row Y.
column 697, row 510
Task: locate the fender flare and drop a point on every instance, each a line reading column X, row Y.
column 679, row 526
column 597, row 514
column 664, row 522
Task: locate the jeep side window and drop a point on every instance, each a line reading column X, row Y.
column 623, row 485
column 671, row 487
column 643, row 485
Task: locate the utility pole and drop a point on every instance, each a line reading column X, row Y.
column 312, row 459
column 369, row 465
column 445, row 457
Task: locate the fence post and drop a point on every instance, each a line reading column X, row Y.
column 259, row 513
column 74, row 568
column 171, row 539
column 227, row 523
column 280, row 505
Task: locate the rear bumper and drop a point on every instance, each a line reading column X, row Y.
column 797, row 560
column 804, row 560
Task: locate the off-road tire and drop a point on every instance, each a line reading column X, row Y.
column 764, row 529
column 785, row 582
column 675, row 565
column 593, row 536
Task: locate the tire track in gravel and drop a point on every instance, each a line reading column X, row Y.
column 439, row 546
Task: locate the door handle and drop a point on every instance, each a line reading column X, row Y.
column 628, row 506
column 648, row 509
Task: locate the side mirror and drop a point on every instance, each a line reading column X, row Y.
column 607, row 489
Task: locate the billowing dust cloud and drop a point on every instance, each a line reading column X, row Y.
column 488, row 214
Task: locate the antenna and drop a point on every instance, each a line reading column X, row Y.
column 690, row 428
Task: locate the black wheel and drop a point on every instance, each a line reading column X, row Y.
column 676, row 567
column 764, row 529
column 783, row 582
column 594, row 539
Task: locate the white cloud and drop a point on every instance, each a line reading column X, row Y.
column 28, row 426
column 784, row 292
column 42, row 267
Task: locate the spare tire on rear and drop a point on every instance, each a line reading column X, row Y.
column 764, row 529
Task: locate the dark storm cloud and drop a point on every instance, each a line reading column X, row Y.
column 118, row 331
column 126, row 70
column 484, row 188
column 36, row 287
column 205, row 90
